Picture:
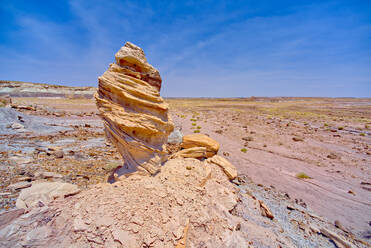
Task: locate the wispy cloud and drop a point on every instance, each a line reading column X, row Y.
column 221, row 49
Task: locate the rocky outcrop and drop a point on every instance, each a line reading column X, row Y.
column 201, row 140
column 26, row 89
column 135, row 116
column 228, row 168
column 194, row 152
column 188, row 203
column 45, row 192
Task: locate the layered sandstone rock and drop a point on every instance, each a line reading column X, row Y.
column 194, row 152
column 135, row 116
column 228, row 168
column 201, row 140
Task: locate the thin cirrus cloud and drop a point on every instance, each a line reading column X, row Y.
column 210, row 49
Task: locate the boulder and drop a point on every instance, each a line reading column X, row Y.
column 45, row 192
column 201, row 140
column 227, row 167
column 194, row 152
column 135, row 117
column 175, row 138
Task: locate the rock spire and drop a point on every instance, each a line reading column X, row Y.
column 135, row 116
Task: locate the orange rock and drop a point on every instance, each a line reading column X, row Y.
column 194, row 152
column 201, row 140
column 135, row 117
column 227, row 167
column 265, row 210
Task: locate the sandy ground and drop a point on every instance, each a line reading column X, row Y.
column 331, row 146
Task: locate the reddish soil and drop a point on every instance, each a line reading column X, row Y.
column 332, row 147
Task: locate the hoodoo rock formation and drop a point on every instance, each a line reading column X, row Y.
column 192, row 202
column 135, row 116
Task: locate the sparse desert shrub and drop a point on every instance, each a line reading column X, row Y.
column 296, row 139
column 198, row 127
column 340, row 128
column 264, row 145
column 193, row 119
column 280, row 143
column 325, row 125
column 244, row 150
column 196, row 131
column 194, row 124
column 362, row 134
column 302, row 175
column 182, row 116
column 367, row 126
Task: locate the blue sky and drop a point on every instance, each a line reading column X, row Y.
column 202, row 48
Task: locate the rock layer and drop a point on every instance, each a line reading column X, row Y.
column 201, row 140
column 135, row 116
column 227, row 167
column 45, row 192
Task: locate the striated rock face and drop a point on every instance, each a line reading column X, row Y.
column 135, row 116
column 227, row 167
column 45, row 192
column 201, row 140
column 25, row 89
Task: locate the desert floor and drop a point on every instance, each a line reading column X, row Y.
column 317, row 150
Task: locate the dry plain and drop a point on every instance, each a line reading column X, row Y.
column 280, row 141
column 316, row 150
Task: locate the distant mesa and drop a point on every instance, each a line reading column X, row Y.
column 26, row 89
column 135, row 117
